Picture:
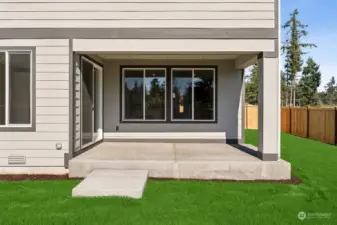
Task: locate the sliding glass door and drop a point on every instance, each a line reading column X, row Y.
column 91, row 103
column 87, row 102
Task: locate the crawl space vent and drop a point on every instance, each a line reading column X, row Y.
column 16, row 159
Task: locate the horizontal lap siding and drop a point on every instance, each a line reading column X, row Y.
column 150, row 13
column 52, row 107
column 77, row 123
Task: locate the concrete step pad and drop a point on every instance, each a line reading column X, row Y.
column 101, row 182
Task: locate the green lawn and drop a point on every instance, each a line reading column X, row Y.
column 189, row 202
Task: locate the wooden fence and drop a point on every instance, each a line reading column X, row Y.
column 308, row 122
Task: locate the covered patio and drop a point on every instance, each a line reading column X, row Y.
column 207, row 161
column 174, row 107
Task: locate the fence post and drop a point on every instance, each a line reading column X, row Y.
column 308, row 120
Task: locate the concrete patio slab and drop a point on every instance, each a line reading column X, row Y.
column 101, row 183
column 205, row 161
column 210, row 152
column 130, row 151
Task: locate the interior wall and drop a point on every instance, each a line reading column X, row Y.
column 228, row 101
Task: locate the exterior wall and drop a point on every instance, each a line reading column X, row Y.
column 52, row 107
column 138, row 13
column 228, row 105
column 77, row 95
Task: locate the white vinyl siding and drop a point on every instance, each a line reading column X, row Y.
column 77, row 119
column 138, row 13
column 52, row 107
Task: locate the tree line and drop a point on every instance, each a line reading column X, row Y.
column 299, row 81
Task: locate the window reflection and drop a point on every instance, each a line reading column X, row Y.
column 155, row 94
column 133, row 94
column 203, row 95
column 193, row 94
column 182, row 94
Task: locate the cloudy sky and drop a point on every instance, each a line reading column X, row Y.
column 321, row 16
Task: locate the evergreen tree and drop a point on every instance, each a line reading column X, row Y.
column 293, row 48
column 252, row 86
column 309, row 83
column 284, row 89
column 321, row 98
column 330, row 92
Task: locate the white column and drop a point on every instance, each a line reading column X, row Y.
column 269, row 108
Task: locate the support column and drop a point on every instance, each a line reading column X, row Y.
column 269, row 108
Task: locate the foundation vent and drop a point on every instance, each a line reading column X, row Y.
column 16, row 160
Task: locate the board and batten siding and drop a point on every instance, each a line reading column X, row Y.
column 137, row 13
column 52, row 107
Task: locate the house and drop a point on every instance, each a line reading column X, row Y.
column 77, row 74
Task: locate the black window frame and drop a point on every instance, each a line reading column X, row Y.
column 169, row 94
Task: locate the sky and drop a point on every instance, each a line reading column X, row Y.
column 321, row 17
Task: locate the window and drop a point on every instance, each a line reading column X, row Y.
column 15, row 88
column 193, row 94
column 144, row 94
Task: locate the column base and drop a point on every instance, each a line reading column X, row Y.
column 267, row 156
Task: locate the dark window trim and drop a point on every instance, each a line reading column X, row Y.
column 168, row 94
column 31, row 128
column 121, row 96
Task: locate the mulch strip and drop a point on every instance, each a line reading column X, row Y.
column 21, row 177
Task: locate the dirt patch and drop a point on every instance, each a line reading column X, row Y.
column 293, row 180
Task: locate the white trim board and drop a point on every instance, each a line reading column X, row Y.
column 173, row 45
column 166, row 135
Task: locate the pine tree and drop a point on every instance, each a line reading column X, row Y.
column 252, row 86
column 309, row 83
column 284, row 89
column 293, row 48
column 330, row 92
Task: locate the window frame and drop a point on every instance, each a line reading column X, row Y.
column 19, row 127
column 168, row 111
column 144, row 120
column 192, row 69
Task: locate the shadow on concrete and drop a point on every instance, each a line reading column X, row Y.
column 245, row 149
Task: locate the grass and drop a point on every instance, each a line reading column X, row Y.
column 189, row 202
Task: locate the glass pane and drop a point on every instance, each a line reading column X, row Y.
column 87, row 102
column 203, row 94
column 133, row 94
column 2, row 88
column 19, row 88
column 97, row 100
column 182, row 94
column 155, row 85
